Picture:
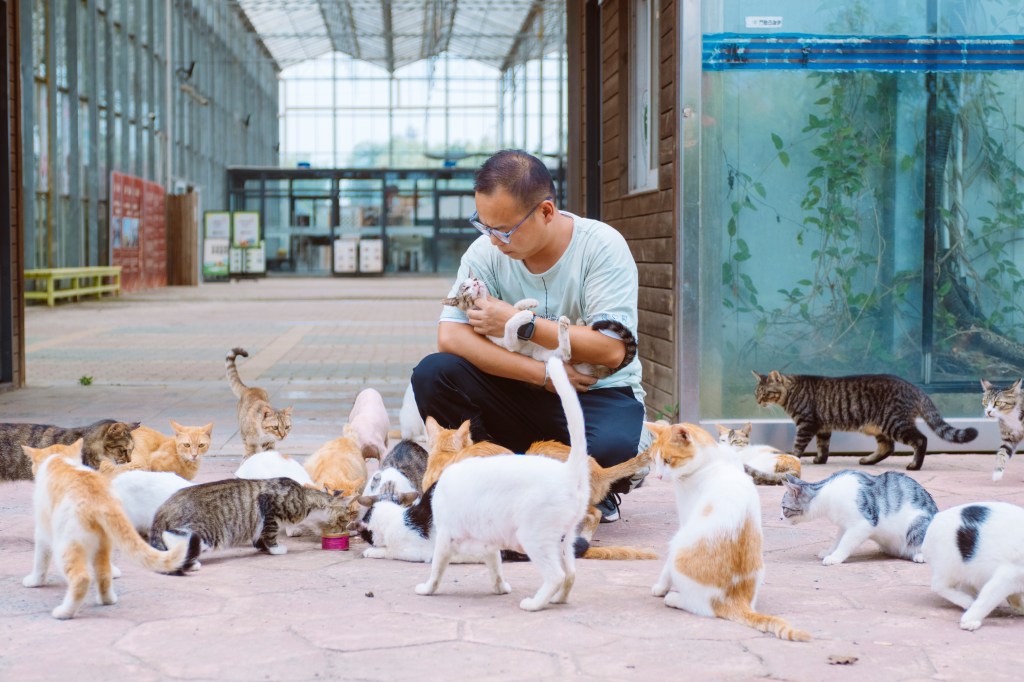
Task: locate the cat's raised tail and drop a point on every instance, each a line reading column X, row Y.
column 237, row 387
column 178, row 555
column 573, row 418
column 740, row 612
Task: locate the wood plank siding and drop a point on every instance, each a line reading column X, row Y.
column 14, row 376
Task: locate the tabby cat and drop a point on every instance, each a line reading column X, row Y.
column 880, row 405
column 409, row 459
column 1007, row 406
column 79, row 522
column 238, row 511
column 764, row 464
column 715, row 565
column 105, row 439
column 179, row 454
column 260, row 424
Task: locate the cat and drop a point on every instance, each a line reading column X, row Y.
column 272, row 464
column 103, row 440
column 179, row 454
column 260, row 425
column 880, row 405
column 368, row 424
column 79, row 521
column 892, row 509
column 409, row 419
column 974, row 551
column 238, row 511
column 338, row 466
column 533, row 505
column 471, row 289
column 715, row 565
column 1007, row 406
column 764, row 464
column 410, row 459
column 142, row 492
column 447, row 446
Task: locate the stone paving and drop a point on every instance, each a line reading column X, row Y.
column 314, row 614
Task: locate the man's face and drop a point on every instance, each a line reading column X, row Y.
column 503, row 212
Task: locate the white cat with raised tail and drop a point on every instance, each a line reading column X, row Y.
column 532, row 505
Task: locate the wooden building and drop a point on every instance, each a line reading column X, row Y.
column 12, row 306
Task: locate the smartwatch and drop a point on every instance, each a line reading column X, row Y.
column 525, row 333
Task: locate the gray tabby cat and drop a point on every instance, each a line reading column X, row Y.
column 1006, row 405
column 260, row 424
column 892, row 509
column 880, row 405
column 105, row 439
column 238, row 511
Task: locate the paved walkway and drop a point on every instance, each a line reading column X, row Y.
column 312, row 614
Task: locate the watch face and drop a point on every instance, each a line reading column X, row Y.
column 526, row 331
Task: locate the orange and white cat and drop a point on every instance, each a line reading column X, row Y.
column 715, row 564
column 80, row 522
column 179, row 454
column 763, row 463
column 339, row 466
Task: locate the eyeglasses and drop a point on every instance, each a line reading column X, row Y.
column 503, row 237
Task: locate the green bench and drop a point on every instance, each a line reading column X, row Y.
column 74, row 282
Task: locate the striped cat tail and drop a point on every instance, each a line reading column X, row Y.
column 943, row 430
column 623, row 333
column 739, row 612
column 237, row 387
column 127, row 539
column 573, row 418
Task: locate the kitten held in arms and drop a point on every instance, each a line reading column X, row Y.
column 260, row 424
column 1007, row 406
column 976, row 553
column 79, row 520
column 179, row 454
column 533, row 505
column 339, row 466
column 714, row 566
column 368, row 424
column 880, row 405
column 892, row 509
column 764, row 464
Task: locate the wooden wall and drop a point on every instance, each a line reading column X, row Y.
column 647, row 219
column 12, row 132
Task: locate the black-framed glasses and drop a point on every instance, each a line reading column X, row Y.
column 503, row 237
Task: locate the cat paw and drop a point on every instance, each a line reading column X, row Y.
column 997, row 475
column 918, row 558
column 62, row 613
column 969, row 624
column 824, row 460
column 531, row 604
column 659, row 590
column 913, row 466
column 823, row 553
column 193, row 567
column 502, row 588
column 115, row 572
column 277, row 549
column 107, row 600
column 831, row 560
column 424, row 589
column 527, row 304
column 33, row 580
column 374, row 553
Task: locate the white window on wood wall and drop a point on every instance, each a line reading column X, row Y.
column 643, row 96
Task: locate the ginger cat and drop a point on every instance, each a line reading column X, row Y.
column 260, row 424
column 338, row 465
column 179, row 454
column 715, row 564
column 448, row 446
column 79, row 520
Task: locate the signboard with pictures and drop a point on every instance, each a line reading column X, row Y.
column 216, row 242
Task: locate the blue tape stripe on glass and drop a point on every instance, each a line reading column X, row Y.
column 781, row 51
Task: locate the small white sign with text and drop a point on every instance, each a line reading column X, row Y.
column 764, row 22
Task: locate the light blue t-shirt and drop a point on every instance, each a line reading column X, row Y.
column 595, row 279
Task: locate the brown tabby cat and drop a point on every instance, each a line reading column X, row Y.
column 178, row 454
column 880, row 405
column 80, row 522
column 106, row 439
column 339, row 466
column 238, row 511
column 260, row 424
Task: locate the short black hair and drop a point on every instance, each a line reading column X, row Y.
column 519, row 173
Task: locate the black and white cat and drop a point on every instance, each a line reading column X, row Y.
column 976, row 553
column 892, row 509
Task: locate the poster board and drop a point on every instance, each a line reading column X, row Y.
column 245, row 229
column 216, row 243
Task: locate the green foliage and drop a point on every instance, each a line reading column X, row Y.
column 85, row 380
column 667, row 412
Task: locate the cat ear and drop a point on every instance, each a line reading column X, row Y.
column 792, row 482
column 722, row 429
column 680, row 433
column 367, row 500
column 454, row 302
column 656, row 428
column 759, row 377
column 986, row 385
column 746, row 429
column 463, row 435
column 178, row 428
column 208, row 429
column 134, row 425
column 287, row 411
column 266, row 411
column 408, row 499
column 1016, row 386
column 774, row 376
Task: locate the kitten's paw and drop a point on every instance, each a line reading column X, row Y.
column 527, row 304
column 969, row 624
column 824, row 553
column 659, row 590
column 424, row 589
column 374, row 553
column 33, row 580
column 918, row 558
column 277, row 549
column 913, row 467
column 531, row 604
column 61, row 613
column 502, row 588
column 195, row 566
column 106, row 600
column 824, row 460
column 997, row 475
column 832, row 560
column 115, row 572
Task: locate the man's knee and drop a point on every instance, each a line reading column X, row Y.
column 433, row 369
column 613, row 447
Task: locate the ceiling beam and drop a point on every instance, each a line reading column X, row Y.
column 389, row 38
column 524, row 29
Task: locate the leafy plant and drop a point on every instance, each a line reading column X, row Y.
column 85, row 380
column 667, row 412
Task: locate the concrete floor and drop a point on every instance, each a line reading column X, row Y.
column 313, row 614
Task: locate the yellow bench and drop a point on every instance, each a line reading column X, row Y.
column 83, row 281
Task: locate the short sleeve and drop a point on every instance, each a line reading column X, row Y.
column 610, row 288
column 473, row 260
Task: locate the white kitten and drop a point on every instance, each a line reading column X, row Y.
column 533, row 505
column 272, row 464
column 142, row 492
column 976, row 553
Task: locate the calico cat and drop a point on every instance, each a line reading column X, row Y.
column 472, row 289
column 237, row 512
column 260, row 424
column 715, row 565
column 974, row 551
column 272, row 464
column 179, row 454
column 368, row 424
column 880, row 405
column 103, row 440
column 339, row 466
column 764, row 464
column 892, row 509
column 80, row 522
column 1007, row 406
column 410, row 459
column 142, row 492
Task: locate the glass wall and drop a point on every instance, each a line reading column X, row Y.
column 861, row 195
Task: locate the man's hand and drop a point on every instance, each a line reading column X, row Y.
column 490, row 317
column 581, row 382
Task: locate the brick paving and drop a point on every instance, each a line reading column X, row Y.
column 312, row 614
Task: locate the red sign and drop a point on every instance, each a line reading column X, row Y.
column 138, row 232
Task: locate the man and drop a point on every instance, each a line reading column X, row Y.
column 572, row 266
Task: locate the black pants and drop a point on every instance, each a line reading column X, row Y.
column 515, row 414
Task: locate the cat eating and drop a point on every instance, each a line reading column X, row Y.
column 260, row 424
column 1007, row 406
column 892, row 509
column 880, row 405
column 368, row 424
column 764, row 464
